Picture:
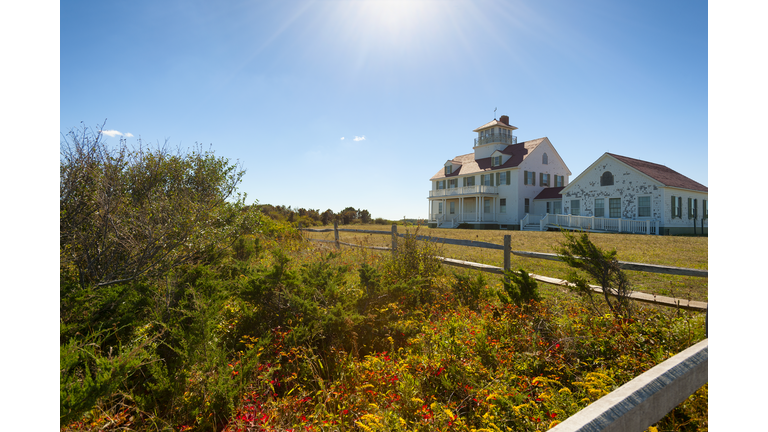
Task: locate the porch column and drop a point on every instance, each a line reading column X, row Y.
column 482, row 209
column 445, row 209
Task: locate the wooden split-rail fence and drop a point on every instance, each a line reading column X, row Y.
column 508, row 252
column 637, row 404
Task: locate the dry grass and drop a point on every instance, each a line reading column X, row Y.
column 690, row 252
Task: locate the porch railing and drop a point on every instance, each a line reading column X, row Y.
column 530, row 219
column 592, row 223
column 465, row 190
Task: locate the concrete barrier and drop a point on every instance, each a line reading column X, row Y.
column 646, row 399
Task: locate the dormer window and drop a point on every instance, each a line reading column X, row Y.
column 448, row 169
column 496, row 161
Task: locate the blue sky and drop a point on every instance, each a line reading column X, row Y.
column 330, row 104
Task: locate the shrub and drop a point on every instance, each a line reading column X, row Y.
column 410, row 270
column 128, row 212
column 519, row 288
column 470, row 290
column 580, row 253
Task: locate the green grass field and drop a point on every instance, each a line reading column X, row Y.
column 689, row 252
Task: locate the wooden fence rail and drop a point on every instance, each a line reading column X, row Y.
column 633, row 406
column 637, row 296
column 646, row 399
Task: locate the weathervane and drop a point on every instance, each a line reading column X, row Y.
column 494, row 113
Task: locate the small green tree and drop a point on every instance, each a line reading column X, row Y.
column 519, row 288
column 578, row 251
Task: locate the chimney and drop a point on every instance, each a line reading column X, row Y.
column 504, row 119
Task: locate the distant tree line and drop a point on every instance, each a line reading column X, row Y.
column 312, row 217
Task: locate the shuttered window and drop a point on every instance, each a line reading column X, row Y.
column 674, row 207
column 530, row 178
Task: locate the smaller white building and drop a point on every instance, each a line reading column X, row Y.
column 619, row 187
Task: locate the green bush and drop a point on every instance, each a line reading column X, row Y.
column 519, row 288
column 129, row 212
column 409, row 272
column 578, row 251
column 470, row 290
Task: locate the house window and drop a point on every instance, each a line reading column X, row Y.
column 486, row 180
column 704, row 209
column 527, row 205
column 599, row 207
column 530, row 178
column 452, row 183
column 503, row 205
column 487, row 206
column 544, row 159
column 544, row 179
column 503, row 178
column 469, row 181
column 439, row 208
column 496, row 160
column 559, row 180
column 548, row 207
column 614, row 207
column 644, row 206
column 440, row 184
column 557, row 207
column 453, row 207
column 575, row 207
column 448, row 169
column 606, row 179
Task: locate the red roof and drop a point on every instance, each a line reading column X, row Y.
column 470, row 165
column 550, row 193
column 661, row 173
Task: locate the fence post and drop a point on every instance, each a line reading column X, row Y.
column 507, row 252
column 336, row 233
column 394, row 237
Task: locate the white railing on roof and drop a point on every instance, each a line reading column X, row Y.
column 496, row 138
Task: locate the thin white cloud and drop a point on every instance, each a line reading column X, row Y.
column 113, row 133
column 357, row 138
column 342, row 138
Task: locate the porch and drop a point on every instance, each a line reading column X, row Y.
column 592, row 224
column 450, row 212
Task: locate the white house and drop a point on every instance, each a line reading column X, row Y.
column 495, row 186
column 618, row 190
